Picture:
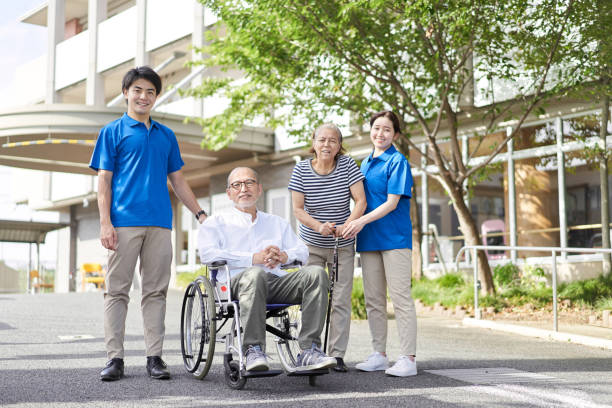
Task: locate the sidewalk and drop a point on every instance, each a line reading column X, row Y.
column 542, row 327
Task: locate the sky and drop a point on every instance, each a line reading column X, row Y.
column 19, row 42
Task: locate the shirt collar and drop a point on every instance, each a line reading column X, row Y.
column 385, row 156
column 246, row 216
column 133, row 122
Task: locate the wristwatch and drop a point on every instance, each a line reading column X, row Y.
column 200, row 213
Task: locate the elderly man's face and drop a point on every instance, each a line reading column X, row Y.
column 244, row 189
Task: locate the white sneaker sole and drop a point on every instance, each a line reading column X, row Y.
column 370, row 369
column 395, row 374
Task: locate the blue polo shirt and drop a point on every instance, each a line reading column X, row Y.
column 388, row 173
column 140, row 160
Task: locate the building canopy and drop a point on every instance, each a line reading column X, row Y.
column 27, row 231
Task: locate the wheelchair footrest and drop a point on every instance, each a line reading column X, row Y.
column 320, row 371
column 255, row 374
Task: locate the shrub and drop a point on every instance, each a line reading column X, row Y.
column 506, row 275
column 358, row 310
column 185, row 278
column 450, row 280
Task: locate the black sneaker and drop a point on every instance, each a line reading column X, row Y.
column 157, row 368
column 113, row 370
column 340, row 366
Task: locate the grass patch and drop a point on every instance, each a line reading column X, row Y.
column 514, row 288
column 185, row 278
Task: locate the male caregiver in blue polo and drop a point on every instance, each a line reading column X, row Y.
column 135, row 156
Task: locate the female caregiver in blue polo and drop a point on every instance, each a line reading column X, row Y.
column 385, row 242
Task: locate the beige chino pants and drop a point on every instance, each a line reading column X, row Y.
column 340, row 317
column 154, row 247
column 389, row 269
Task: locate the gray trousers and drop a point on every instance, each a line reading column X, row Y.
column 340, row 318
column 154, row 247
column 254, row 287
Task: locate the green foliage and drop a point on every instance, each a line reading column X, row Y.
column 448, row 292
column 604, row 303
column 589, row 291
column 358, row 310
column 506, row 275
column 185, row 278
column 450, row 280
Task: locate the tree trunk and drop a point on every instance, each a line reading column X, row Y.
column 471, row 234
column 603, row 179
column 417, row 237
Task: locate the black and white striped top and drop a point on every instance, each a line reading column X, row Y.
column 327, row 197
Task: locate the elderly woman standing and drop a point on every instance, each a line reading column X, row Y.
column 385, row 245
column 321, row 189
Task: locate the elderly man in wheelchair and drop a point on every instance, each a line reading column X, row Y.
column 250, row 247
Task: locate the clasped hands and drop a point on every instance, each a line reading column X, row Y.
column 270, row 257
column 346, row 231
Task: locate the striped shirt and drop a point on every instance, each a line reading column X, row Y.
column 327, row 198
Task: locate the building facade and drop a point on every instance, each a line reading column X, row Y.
column 543, row 191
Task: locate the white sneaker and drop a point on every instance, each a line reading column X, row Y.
column 403, row 367
column 375, row 362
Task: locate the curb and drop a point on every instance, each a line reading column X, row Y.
column 541, row 333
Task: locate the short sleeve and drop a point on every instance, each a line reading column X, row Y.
column 399, row 177
column 354, row 174
column 296, row 183
column 175, row 162
column 105, row 151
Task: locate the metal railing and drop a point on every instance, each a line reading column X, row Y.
column 552, row 250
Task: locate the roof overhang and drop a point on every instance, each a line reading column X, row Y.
column 27, row 231
column 60, row 137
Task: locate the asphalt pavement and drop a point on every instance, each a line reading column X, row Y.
column 52, row 349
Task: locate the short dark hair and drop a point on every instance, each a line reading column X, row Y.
column 389, row 115
column 335, row 129
column 143, row 72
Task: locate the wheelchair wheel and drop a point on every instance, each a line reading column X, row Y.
column 198, row 327
column 232, row 376
column 289, row 323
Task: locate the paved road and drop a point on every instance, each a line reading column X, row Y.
column 458, row 366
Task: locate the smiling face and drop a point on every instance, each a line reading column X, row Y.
column 141, row 96
column 244, row 188
column 326, row 144
column 382, row 134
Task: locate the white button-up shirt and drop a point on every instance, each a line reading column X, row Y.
column 235, row 237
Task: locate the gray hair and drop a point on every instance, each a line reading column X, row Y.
column 328, row 126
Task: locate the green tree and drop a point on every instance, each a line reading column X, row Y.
column 305, row 60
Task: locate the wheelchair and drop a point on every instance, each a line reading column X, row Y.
column 208, row 306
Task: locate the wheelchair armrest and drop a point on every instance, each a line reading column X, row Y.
column 294, row 264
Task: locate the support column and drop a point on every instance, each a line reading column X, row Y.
column 95, row 82
column 466, row 200
column 55, row 35
column 142, row 56
column 424, row 210
column 561, row 186
column 177, row 240
column 197, row 41
column 511, row 197
column 72, row 258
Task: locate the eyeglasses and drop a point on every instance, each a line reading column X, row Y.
column 321, row 140
column 237, row 185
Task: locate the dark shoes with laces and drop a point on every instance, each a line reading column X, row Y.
column 156, row 368
column 113, row 370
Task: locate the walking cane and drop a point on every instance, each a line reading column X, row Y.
column 332, row 278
